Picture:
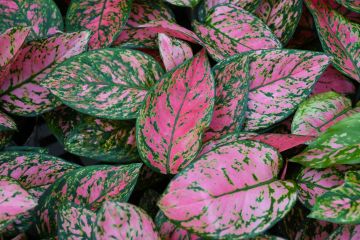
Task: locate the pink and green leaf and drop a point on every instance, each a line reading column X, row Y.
column 229, row 30
column 184, row 3
column 173, row 51
column 233, row 185
column 104, row 18
column 346, row 232
column 43, row 16
column 7, row 129
column 116, row 220
column 21, row 93
column 353, row 5
column 248, row 5
column 175, row 114
column 338, row 36
column 281, row 16
column 282, row 142
column 106, row 83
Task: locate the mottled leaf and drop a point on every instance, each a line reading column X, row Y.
column 229, row 30
column 173, row 51
column 184, row 3
column 104, row 18
column 282, row 142
column 75, row 222
column 338, row 36
column 106, row 83
column 279, row 81
column 7, row 129
column 315, row 230
column 42, row 16
column 234, row 186
column 89, row 187
column 174, row 116
column 353, row 5
column 117, row 220
column 281, row 16
column 346, row 232
column 248, row 5
column 21, row 93
column 320, row 112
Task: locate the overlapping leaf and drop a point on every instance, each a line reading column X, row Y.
column 21, row 93
column 42, row 16
column 184, row 3
column 104, row 18
column 320, row 112
column 346, row 232
column 353, row 5
column 281, row 16
column 87, row 186
column 339, row 37
column 117, row 220
column 282, row 142
column 229, row 30
column 248, row 5
column 279, row 81
column 7, row 129
column 106, row 83
column 173, row 51
column 174, row 116
column 231, row 192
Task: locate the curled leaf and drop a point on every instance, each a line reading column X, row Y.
column 353, row 5
column 184, row 3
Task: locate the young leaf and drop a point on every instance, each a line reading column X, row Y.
column 21, row 93
column 282, row 142
column 106, row 83
column 173, row 51
column 117, row 220
column 235, row 186
column 175, row 114
column 104, row 18
column 346, row 232
column 353, row 5
column 42, row 16
column 338, row 36
column 320, row 112
column 281, row 16
column 88, row 187
column 229, row 30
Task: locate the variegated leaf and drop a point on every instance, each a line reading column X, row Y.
column 339, row 144
column 282, row 142
column 229, row 30
column 315, row 182
column 352, row 16
column 184, row 3
column 346, row 232
column 34, row 171
column 7, row 129
column 248, row 5
column 281, row 16
column 320, row 112
column 174, row 116
column 104, row 18
column 173, row 51
column 232, row 88
column 353, row 5
column 234, row 186
column 89, row 187
column 315, row 230
column 14, row 201
column 279, row 81
column 21, row 93
column 339, row 37
column 142, row 12
column 75, row 222
column 106, row 83
column 341, row 204
column 42, row 16
column 117, row 220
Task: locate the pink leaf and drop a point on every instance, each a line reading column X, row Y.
column 282, row 142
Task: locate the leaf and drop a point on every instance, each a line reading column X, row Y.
column 339, row 144
column 7, row 129
column 339, row 205
column 282, row 142
column 75, row 222
column 346, row 232
column 175, row 114
column 315, row 182
column 10, row 41
column 14, row 201
column 106, row 83
column 338, row 36
column 248, row 5
column 184, row 3
column 320, row 112
column 353, row 5
column 34, row 171
column 142, row 12
column 21, row 93
column 281, row 16
column 173, row 51
column 87, row 186
column 232, row 88
column 104, row 18
column 279, row 80
column 42, row 16
column 117, row 220
column 235, row 186
column 333, row 80
column 229, row 30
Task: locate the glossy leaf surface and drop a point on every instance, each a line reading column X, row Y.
column 282, row 142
